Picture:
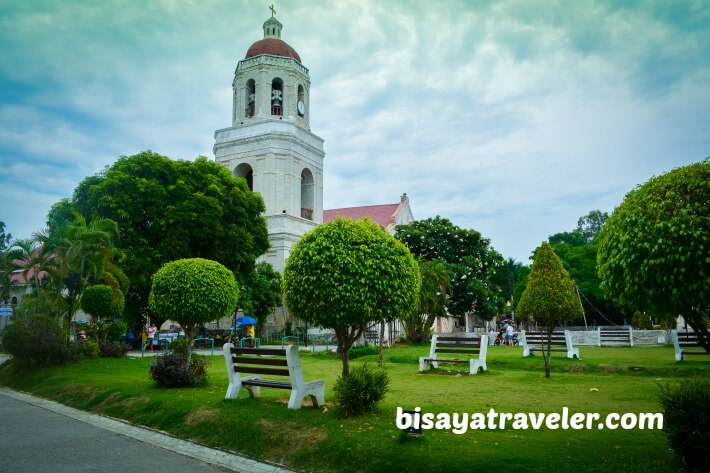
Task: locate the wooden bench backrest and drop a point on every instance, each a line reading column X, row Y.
column 538, row 338
column 251, row 361
column 463, row 345
column 688, row 339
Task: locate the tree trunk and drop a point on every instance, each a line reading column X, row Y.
column 381, row 340
column 696, row 321
column 346, row 336
column 547, row 356
column 189, row 335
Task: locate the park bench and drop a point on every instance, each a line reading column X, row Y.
column 686, row 343
column 615, row 336
column 475, row 347
column 281, row 362
column 536, row 341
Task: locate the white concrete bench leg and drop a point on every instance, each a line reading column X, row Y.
column 314, row 389
column 480, row 363
column 676, row 346
column 423, row 364
column 522, row 341
column 572, row 351
column 475, row 365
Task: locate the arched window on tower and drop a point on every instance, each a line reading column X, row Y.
column 277, row 96
column 300, row 104
column 245, row 171
column 307, row 194
column 250, row 97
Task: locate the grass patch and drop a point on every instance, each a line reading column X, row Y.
column 605, row 380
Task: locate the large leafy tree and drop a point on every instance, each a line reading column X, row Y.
column 346, row 274
column 434, row 290
column 591, row 224
column 470, row 259
column 549, row 297
column 653, row 250
column 507, row 276
column 261, row 292
column 169, row 210
column 578, row 251
column 193, row 291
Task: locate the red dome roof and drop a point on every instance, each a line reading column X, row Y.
column 274, row 47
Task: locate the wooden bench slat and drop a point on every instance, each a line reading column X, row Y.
column 254, row 370
column 446, row 360
column 458, row 345
column 267, row 383
column 459, row 339
column 259, row 361
column 259, row 351
column 450, row 350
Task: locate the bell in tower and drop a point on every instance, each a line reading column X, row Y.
column 269, row 142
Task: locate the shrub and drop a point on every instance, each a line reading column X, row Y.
column 90, row 349
column 36, row 340
column 172, row 370
column 641, row 321
column 179, row 346
column 99, row 301
column 360, row 391
column 363, row 350
column 106, row 330
column 687, row 420
column 109, row 349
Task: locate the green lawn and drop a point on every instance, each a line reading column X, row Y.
column 604, row 380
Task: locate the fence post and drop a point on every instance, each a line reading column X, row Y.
column 599, row 335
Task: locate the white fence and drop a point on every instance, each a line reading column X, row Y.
column 625, row 337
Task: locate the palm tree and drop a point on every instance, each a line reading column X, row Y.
column 80, row 254
column 37, row 268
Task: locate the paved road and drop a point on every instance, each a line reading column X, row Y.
column 37, row 435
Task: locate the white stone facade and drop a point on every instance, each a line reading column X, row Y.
column 271, row 146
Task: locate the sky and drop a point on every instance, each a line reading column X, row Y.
column 513, row 118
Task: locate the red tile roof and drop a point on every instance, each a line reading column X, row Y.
column 384, row 215
column 273, row 47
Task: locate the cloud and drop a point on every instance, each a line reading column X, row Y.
column 508, row 117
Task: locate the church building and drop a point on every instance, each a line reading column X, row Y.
column 270, row 144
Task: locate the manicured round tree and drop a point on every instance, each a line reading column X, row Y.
column 549, row 297
column 101, row 301
column 192, row 292
column 653, row 250
column 346, row 274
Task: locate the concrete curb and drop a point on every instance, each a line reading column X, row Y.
column 212, row 456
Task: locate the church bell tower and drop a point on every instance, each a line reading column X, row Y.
column 270, row 143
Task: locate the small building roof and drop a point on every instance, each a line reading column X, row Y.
column 383, row 215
